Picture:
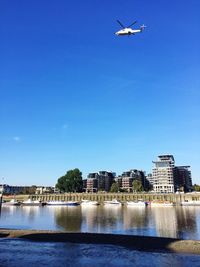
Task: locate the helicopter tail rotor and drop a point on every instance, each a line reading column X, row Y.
column 142, row 27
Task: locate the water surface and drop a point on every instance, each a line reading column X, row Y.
column 176, row 222
column 25, row 253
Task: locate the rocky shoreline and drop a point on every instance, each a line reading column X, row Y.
column 143, row 243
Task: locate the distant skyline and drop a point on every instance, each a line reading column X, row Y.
column 75, row 95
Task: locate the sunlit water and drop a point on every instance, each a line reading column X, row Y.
column 178, row 222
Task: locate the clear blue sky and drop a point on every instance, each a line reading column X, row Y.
column 73, row 94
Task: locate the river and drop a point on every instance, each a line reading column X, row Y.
column 175, row 222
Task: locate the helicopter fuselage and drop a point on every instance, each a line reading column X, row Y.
column 127, row 31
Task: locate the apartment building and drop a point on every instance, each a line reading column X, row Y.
column 99, row 181
column 149, row 179
column 182, row 179
column 92, row 182
column 14, row 190
column 168, row 178
column 44, row 190
column 163, row 174
column 128, row 177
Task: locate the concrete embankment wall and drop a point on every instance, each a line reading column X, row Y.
column 123, row 197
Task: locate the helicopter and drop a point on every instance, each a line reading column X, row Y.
column 128, row 30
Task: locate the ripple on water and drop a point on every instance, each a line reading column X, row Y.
column 15, row 252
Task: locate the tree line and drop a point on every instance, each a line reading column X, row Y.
column 72, row 182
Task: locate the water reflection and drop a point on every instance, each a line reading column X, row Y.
column 101, row 218
column 68, row 218
column 9, row 210
column 179, row 222
column 187, row 218
column 31, row 212
column 20, row 217
column 112, row 215
column 165, row 221
column 135, row 217
column 90, row 218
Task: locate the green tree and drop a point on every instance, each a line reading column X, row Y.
column 137, row 186
column 70, row 182
column 32, row 189
column 114, row 188
column 196, row 187
column 123, row 190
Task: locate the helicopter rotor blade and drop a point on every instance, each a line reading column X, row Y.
column 120, row 24
column 132, row 24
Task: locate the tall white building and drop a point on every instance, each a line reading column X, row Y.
column 163, row 174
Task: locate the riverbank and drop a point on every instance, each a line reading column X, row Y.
column 142, row 243
column 101, row 197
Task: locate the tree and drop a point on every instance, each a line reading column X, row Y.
column 137, row 186
column 70, row 182
column 196, row 187
column 114, row 188
column 28, row 190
